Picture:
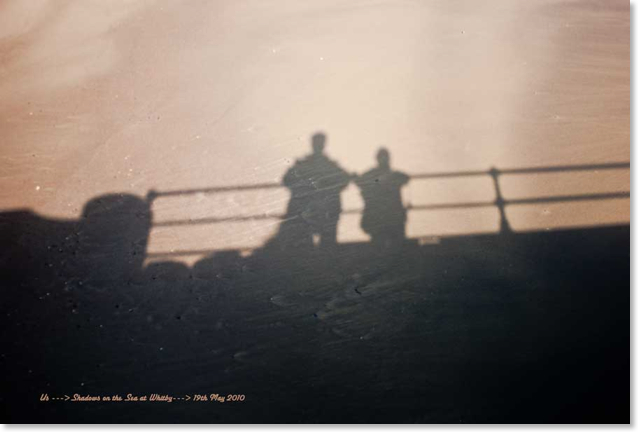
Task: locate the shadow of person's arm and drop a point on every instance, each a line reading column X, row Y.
column 342, row 179
column 290, row 177
column 402, row 178
column 356, row 179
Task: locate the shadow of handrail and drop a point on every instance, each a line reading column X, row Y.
column 528, row 170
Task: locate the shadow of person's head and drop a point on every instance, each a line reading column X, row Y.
column 383, row 158
column 318, row 143
column 114, row 235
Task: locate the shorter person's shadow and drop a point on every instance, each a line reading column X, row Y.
column 384, row 215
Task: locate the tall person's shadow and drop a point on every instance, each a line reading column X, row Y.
column 384, row 215
column 315, row 184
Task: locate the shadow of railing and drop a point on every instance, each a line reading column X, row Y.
column 500, row 202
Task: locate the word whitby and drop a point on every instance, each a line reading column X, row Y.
column 151, row 398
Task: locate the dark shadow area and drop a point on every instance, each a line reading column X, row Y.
column 501, row 328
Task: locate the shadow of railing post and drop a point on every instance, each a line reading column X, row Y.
column 499, row 202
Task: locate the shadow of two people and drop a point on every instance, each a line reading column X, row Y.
column 316, row 182
column 108, row 243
